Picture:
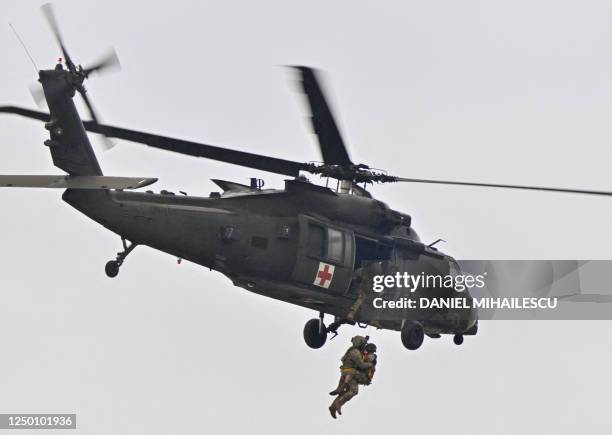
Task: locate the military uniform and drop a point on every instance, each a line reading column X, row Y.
column 352, row 373
column 363, row 278
column 362, row 377
column 369, row 355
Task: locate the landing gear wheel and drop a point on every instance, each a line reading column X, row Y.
column 412, row 334
column 458, row 339
column 111, row 269
column 315, row 333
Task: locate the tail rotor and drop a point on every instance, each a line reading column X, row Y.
column 79, row 74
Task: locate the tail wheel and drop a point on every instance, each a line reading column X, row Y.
column 315, row 333
column 412, row 334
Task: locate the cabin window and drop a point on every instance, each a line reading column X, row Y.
column 328, row 244
column 316, row 237
column 335, row 245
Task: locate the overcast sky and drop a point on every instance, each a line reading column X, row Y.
column 508, row 92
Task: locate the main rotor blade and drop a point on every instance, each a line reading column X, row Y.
column 504, row 186
column 324, row 126
column 255, row 161
column 47, row 9
column 249, row 160
column 28, row 113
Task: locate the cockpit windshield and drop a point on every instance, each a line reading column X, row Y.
column 454, row 268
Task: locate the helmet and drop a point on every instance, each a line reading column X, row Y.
column 370, row 348
column 358, row 341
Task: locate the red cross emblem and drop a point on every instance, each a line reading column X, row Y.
column 324, row 275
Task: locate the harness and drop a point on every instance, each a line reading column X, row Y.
column 346, row 368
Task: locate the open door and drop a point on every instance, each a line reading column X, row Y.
column 325, row 257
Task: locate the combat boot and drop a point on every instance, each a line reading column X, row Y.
column 338, row 391
column 335, row 407
column 341, row 388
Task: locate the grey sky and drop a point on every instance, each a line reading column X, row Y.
column 508, row 92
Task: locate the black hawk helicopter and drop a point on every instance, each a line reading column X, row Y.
column 301, row 244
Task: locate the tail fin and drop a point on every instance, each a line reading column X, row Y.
column 69, row 145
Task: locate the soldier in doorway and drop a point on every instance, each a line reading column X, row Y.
column 362, row 282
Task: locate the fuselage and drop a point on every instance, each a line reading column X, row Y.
column 274, row 242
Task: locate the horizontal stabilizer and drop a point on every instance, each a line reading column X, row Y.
column 75, row 181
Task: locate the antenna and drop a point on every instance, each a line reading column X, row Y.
column 24, row 47
column 431, row 245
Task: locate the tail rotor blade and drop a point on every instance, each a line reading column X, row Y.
column 92, row 111
column 38, row 95
column 110, row 61
column 107, row 144
column 47, row 9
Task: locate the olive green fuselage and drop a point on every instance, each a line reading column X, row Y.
column 263, row 240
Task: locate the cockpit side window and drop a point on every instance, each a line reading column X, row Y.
column 369, row 250
column 454, row 268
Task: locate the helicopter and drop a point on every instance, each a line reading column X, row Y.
column 301, row 244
